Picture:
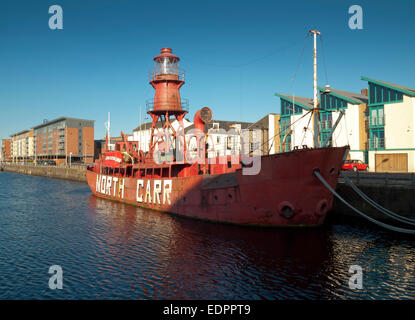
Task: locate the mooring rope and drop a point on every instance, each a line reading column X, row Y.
column 381, row 224
column 377, row 206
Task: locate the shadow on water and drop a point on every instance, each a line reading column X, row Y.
column 210, row 260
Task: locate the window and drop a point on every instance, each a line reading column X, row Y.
column 377, row 118
column 288, row 109
column 215, row 126
column 330, row 102
column 325, row 121
column 229, row 143
column 285, row 123
column 381, row 94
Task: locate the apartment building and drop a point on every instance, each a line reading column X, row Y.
column 391, row 146
column 352, row 129
column 296, row 129
column 22, row 146
column 65, row 140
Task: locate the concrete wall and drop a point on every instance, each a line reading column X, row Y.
column 74, row 174
column 396, row 199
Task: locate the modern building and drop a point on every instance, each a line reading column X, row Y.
column 296, row 121
column 352, row 129
column 65, row 140
column 6, row 154
column 391, row 146
column 22, row 146
column 296, row 129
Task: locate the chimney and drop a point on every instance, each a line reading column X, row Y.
column 364, row 92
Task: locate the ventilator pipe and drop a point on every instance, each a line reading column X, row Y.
column 202, row 117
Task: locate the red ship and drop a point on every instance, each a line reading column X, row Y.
column 284, row 192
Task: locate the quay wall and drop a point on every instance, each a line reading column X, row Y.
column 398, row 199
column 67, row 173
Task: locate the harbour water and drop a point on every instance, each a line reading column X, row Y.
column 109, row 250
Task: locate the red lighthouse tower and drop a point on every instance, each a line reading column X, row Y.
column 166, row 79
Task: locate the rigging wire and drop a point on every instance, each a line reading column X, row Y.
column 279, row 132
column 267, row 55
column 305, row 129
column 347, row 131
column 324, row 59
column 385, row 211
column 381, row 224
column 298, row 66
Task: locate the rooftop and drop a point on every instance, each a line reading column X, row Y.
column 352, row 97
column 305, row 103
column 19, row 133
column 47, row 123
column 397, row 87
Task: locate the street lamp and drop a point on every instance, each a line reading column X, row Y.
column 70, row 159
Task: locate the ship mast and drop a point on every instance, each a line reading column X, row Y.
column 315, row 114
column 107, row 124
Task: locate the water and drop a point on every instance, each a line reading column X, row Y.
column 113, row 251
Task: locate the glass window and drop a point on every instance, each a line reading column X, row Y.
column 373, row 117
column 378, row 94
column 381, row 117
column 385, row 94
column 399, row 96
column 371, row 93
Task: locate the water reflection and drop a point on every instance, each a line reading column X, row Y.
column 109, row 250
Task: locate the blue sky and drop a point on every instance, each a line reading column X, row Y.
column 236, row 55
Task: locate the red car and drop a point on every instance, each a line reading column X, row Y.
column 355, row 165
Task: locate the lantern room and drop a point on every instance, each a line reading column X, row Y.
column 166, row 63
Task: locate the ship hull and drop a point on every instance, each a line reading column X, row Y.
column 284, row 194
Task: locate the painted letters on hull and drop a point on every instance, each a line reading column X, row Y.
column 147, row 191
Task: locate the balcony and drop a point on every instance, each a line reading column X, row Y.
column 325, row 125
column 377, row 144
column 184, row 103
column 377, row 121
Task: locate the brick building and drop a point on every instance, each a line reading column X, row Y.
column 6, row 154
column 65, row 139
